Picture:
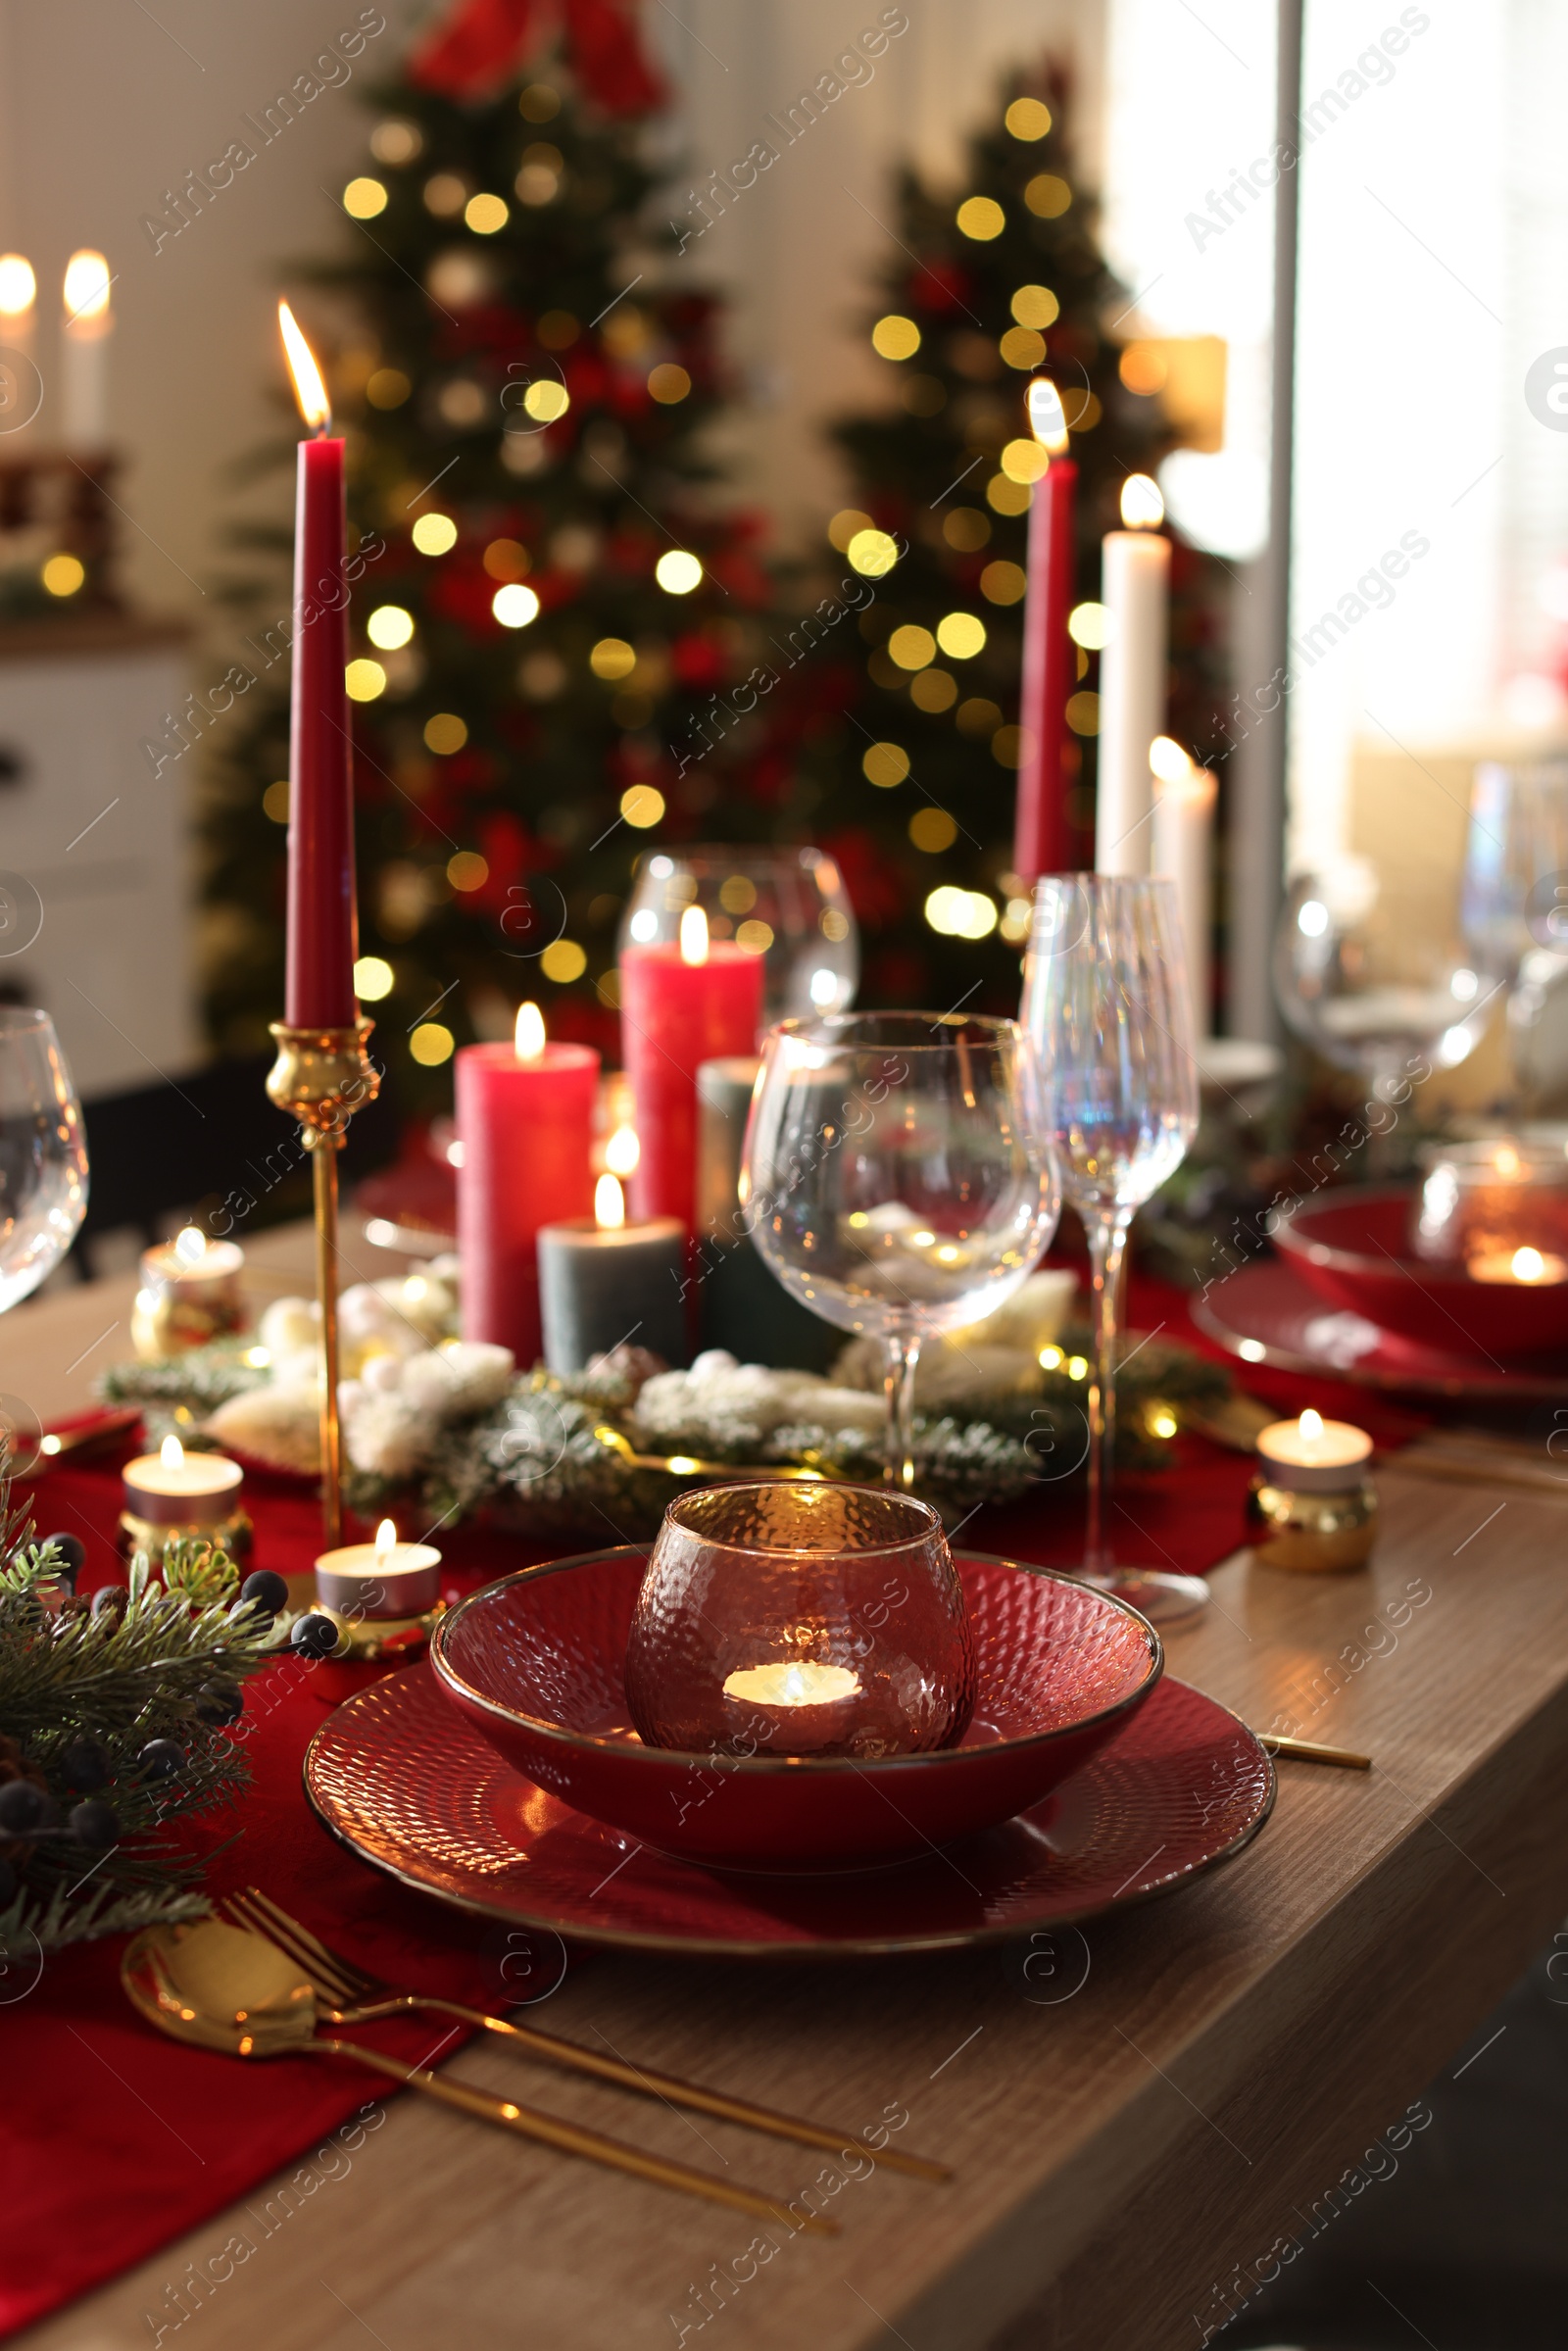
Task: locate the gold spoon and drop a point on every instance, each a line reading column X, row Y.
column 223, row 1988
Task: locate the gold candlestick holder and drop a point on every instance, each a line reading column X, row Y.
column 322, row 1077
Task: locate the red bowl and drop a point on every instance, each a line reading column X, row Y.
column 1353, row 1248
column 535, row 1663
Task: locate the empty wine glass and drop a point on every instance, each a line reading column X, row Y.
column 1366, row 976
column 1107, row 1003
column 788, row 906
column 43, row 1184
column 895, row 1181
column 1513, row 899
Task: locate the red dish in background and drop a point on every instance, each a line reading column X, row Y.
column 1353, row 1248
column 534, row 1664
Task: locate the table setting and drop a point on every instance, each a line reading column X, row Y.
column 727, row 1588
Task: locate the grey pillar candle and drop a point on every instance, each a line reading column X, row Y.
column 739, row 1303
column 602, row 1285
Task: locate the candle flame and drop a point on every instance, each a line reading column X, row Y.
column 191, row 1245
column 1169, row 762
column 528, row 1037
column 1047, row 419
column 86, row 289
column 609, row 1205
column 694, row 936
column 1312, row 1426
column 309, row 388
column 18, row 289
column 386, row 1542
column 1528, row 1265
column 622, row 1152
column 172, row 1453
column 1141, row 506
column 1506, row 1161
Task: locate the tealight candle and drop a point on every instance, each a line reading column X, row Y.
column 1312, row 1505
column 799, row 1705
column 172, row 1492
column 381, row 1580
column 1530, row 1268
column 1319, row 1457
column 188, row 1294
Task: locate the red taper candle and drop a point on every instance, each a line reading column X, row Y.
column 525, row 1117
column 318, row 990
column 681, row 1004
column 1040, row 839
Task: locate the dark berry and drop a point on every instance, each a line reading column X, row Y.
column 22, row 1807
column 162, row 1759
column 93, row 1824
column 220, row 1703
column 85, row 1765
column 70, row 1557
column 8, row 1884
column 111, row 1600
column 264, row 1590
column 315, row 1635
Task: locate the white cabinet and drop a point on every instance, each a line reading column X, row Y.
column 95, row 844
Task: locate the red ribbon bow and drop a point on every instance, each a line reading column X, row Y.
column 484, row 41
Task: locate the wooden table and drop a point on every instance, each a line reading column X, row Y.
column 1133, row 2132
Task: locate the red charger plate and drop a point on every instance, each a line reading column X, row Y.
column 535, row 1663
column 406, row 1783
column 1353, row 1248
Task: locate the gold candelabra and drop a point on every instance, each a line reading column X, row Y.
column 322, row 1077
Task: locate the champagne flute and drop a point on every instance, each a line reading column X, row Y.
column 1105, row 1002
column 894, row 1180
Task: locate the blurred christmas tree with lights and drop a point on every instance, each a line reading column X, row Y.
column 553, row 589
column 987, row 284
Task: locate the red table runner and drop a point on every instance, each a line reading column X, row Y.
column 117, row 2140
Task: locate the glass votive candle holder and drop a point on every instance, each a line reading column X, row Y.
column 800, row 1619
column 1483, row 1204
column 172, row 1493
column 188, row 1294
column 1312, row 1505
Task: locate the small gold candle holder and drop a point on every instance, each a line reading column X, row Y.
column 1312, row 1506
column 380, row 1639
column 1322, row 1533
column 188, row 1294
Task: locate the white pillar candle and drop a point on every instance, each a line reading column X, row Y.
column 18, row 321
column 1183, row 826
column 84, row 354
column 1135, row 589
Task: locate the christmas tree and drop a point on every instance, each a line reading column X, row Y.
column 988, row 283
column 551, row 593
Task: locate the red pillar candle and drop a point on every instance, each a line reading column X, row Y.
column 322, row 928
column 681, row 1004
column 526, row 1116
column 1040, row 843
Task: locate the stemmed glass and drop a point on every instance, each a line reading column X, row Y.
column 1372, row 983
column 43, row 1181
column 1513, row 894
column 895, row 1181
column 788, row 906
column 1107, row 1003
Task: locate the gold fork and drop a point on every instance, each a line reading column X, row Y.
column 358, row 1998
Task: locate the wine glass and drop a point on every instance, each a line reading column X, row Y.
column 788, row 906
column 895, row 1182
column 1366, row 977
column 43, row 1182
column 1107, row 1003
column 1513, row 894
